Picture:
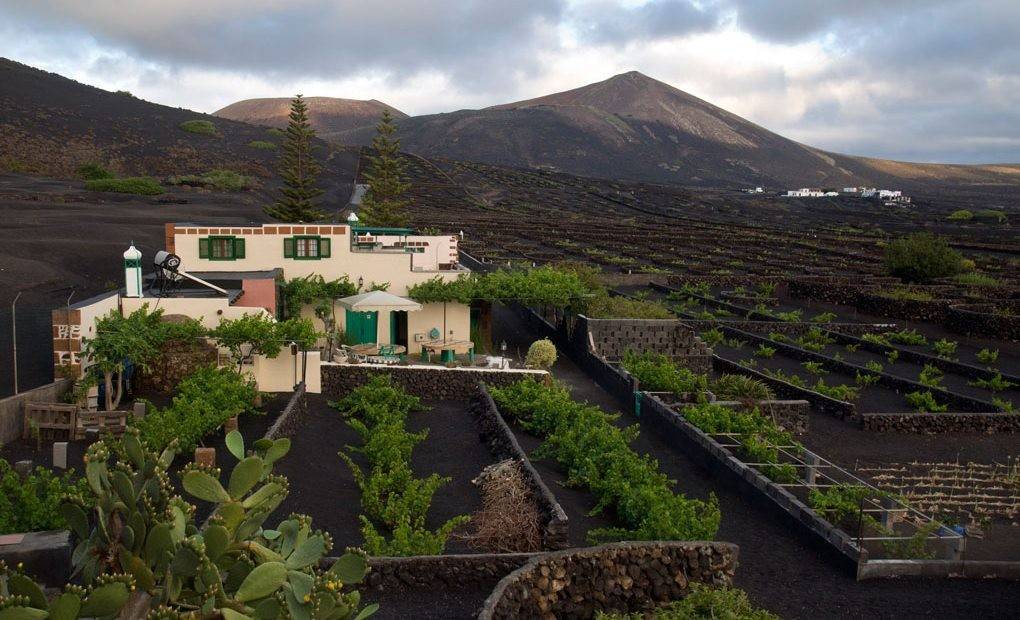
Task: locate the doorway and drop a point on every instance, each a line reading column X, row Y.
column 398, row 327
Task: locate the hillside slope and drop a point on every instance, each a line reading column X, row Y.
column 635, row 127
column 328, row 115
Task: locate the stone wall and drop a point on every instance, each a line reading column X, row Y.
column 503, row 445
column 982, row 320
column 791, row 415
column 292, row 416
column 46, row 556
column 794, row 330
column 620, row 577
column 439, row 572
column 611, row 338
column 787, row 390
column 12, row 408
column 426, row 382
column 942, row 422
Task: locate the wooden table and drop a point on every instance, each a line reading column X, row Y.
column 371, row 348
column 448, row 349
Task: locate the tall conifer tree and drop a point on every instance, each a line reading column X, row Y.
column 385, row 204
column 299, row 171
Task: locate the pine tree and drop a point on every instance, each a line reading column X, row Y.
column 299, row 171
column 384, row 203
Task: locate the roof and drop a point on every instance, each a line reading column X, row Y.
column 379, row 301
column 266, row 274
column 381, row 230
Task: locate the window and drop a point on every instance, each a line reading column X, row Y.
column 306, row 248
column 221, row 248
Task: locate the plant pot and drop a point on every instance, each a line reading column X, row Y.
column 205, row 456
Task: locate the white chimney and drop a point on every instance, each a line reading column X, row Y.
column 133, row 271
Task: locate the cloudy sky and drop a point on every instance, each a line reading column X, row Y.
column 923, row 80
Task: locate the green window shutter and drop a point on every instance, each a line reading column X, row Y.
column 238, row 248
column 203, row 248
column 288, row 247
column 324, row 248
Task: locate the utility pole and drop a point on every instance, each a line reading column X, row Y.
column 14, row 338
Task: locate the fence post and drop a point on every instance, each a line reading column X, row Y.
column 811, row 462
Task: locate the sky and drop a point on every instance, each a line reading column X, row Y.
column 918, row 80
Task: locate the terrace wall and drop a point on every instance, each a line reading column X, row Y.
column 942, row 422
column 12, row 408
column 427, row 382
column 292, row 416
column 623, row 577
column 783, row 389
column 787, row 328
column 980, row 320
column 503, row 444
column 686, row 438
column 611, row 338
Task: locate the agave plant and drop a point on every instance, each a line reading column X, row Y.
column 137, row 530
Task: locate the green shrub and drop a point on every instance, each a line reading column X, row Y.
column 741, row 387
column 712, row 337
column 765, row 351
column 789, row 317
column 223, row 180
column 944, row 348
column 606, row 307
column 922, row 257
column 995, row 384
column 961, row 215
column 91, row 172
column 276, row 132
column 596, row 454
column 973, row 278
column 924, row 402
column 845, row 393
column 815, row 368
column 205, row 400
column 144, row 186
column 864, row 380
column 264, row 145
column 906, row 336
column 199, row 126
column 33, row 504
column 930, row 376
column 892, row 356
column 393, row 500
column 541, row 354
column 825, row 317
column 703, row 602
column 657, row 373
column 988, row 356
column 873, row 366
column 992, row 214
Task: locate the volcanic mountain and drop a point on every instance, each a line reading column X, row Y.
column 634, row 127
column 329, row 116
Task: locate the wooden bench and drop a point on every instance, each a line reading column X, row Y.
column 53, row 421
column 104, row 421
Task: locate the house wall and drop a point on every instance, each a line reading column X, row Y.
column 458, row 323
column 283, row 372
column 264, row 250
column 71, row 326
column 259, row 294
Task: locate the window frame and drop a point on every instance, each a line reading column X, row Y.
column 231, row 241
column 323, row 247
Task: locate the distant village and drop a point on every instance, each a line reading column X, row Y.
column 889, row 197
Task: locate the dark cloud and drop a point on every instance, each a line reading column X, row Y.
column 605, row 21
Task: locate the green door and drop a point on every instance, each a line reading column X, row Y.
column 362, row 327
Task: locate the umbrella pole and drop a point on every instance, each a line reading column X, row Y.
column 444, row 321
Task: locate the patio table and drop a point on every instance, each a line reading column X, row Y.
column 448, row 349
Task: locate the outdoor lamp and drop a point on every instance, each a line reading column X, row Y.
column 502, row 348
column 361, row 282
column 246, row 349
column 293, row 348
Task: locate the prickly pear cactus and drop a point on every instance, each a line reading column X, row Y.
column 23, row 599
column 233, row 567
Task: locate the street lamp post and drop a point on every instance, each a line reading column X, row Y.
column 14, row 338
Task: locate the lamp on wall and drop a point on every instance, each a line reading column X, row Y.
column 361, row 282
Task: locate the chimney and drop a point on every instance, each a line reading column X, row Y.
column 133, row 271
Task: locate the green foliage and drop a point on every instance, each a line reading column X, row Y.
column 973, row 278
column 133, row 529
column 866, row 379
column 961, row 215
column 222, row 180
column 657, row 373
column 32, row 504
column 944, row 348
column 825, row 317
column 703, row 602
column 930, row 376
column 765, row 351
column 1003, row 405
column 539, row 286
column 608, row 307
column 997, row 215
column 906, row 336
column 264, row 145
column 892, row 356
column 995, row 384
column 92, row 172
column 924, row 402
column 596, row 454
column 814, row 339
column 393, row 500
column 841, row 504
column 712, row 337
column 260, row 334
column 815, row 368
column 875, row 339
column 298, row 201
column 741, row 387
column 143, row 186
column 385, row 203
column 200, row 126
column 781, row 376
column 922, row 257
column 137, row 336
column 988, row 356
column 846, row 393
column 779, row 337
column 541, row 354
column 758, row 435
column 792, row 316
column 874, row 366
column 204, row 401
column 314, row 290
